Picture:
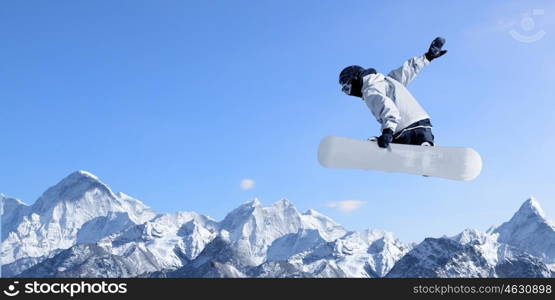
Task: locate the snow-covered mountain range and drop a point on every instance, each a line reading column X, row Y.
column 81, row 228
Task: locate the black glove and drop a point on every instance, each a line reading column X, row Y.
column 385, row 138
column 435, row 49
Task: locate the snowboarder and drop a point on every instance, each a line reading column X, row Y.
column 402, row 119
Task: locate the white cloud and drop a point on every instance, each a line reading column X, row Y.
column 247, row 184
column 346, row 206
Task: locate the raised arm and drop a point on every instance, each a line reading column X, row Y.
column 408, row 71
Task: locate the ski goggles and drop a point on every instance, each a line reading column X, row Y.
column 346, row 88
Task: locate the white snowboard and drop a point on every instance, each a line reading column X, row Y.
column 456, row 163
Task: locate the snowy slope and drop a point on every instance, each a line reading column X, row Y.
column 530, row 231
column 442, row 257
column 12, row 211
column 218, row 259
column 80, row 208
column 80, row 228
column 253, row 234
column 292, row 243
column 469, row 254
column 252, row 228
column 369, row 253
column 504, row 259
column 168, row 240
column 84, row 260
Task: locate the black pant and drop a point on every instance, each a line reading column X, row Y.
column 415, row 134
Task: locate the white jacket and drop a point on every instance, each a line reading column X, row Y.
column 389, row 99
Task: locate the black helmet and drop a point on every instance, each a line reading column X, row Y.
column 350, row 73
column 350, row 79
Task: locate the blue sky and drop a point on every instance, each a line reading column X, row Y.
column 177, row 102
